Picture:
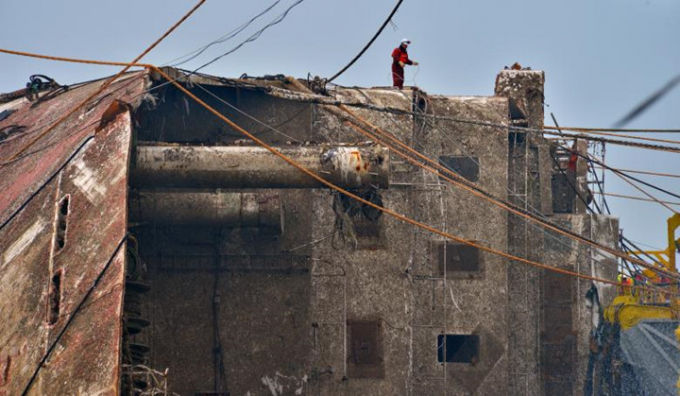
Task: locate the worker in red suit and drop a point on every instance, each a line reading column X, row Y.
column 399, row 60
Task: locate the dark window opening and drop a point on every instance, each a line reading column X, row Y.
column 365, row 228
column 517, row 138
column 55, row 297
column 62, row 218
column 364, row 352
column 467, row 167
column 458, row 348
column 458, row 258
column 563, row 193
column 8, row 366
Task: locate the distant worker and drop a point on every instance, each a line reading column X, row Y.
column 399, row 60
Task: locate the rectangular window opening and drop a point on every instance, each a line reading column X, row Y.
column 458, row 348
column 62, row 218
column 6, row 371
column 465, row 166
column 367, row 233
column 55, row 297
column 458, row 259
column 364, row 352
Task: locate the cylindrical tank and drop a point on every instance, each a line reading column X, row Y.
column 255, row 167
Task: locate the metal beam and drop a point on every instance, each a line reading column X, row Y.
column 255, row 167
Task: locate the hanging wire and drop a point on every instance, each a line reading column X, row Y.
column 226, row 37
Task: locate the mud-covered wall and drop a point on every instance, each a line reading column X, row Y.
column 398, row 283
column 345, row 302
column 297, row 329
column 567, row 317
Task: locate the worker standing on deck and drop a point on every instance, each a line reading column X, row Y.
column 399, row 60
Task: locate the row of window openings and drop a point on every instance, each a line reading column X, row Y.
column 451, row 348
column 365, row 353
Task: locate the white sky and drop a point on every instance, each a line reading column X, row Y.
column 601, row 57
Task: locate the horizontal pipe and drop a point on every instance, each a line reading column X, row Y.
column 255, row 167
column 233, row 209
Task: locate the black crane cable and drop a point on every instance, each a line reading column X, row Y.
column 629, row 252
column 73, row 315
column 573, row 188
column 599, row 187
column 196, row 53
column 623, row 174
column 566, row 177
column 375, row 36
column 648, row 102
column 624, row 242
column 631, row 243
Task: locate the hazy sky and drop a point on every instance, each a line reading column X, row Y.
column 601, row 57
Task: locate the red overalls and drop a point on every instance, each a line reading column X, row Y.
column 399, row 55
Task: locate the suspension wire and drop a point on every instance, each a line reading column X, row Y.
column 377, row 108
column 251, row 117
column 587, row 129
column 325, row 100
column 385, row 210
column 250, row 39
column 105, row 84
column 253, row 37
column 646, row 245
column 632, row 268
column 626, row 178
column 478, row 191
column 537, row 212
column 524, row 200
column 637, row 248
column 626, row 136
column 646, row 173
column 622, row 239
column 390, row 212
column 617, row 142
column 648, row 102
column 226, row 37
column 451, row 170
column 600, row 186
column 370, row 42
column 635, row 198
column 387, row 109
column 566, row 177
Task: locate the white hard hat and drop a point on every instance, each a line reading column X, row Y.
column 406, row 41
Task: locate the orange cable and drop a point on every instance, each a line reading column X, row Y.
column 494, row 201
column 323, row 181
column 390, row 212
column 72, row 60
column 102, row 87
